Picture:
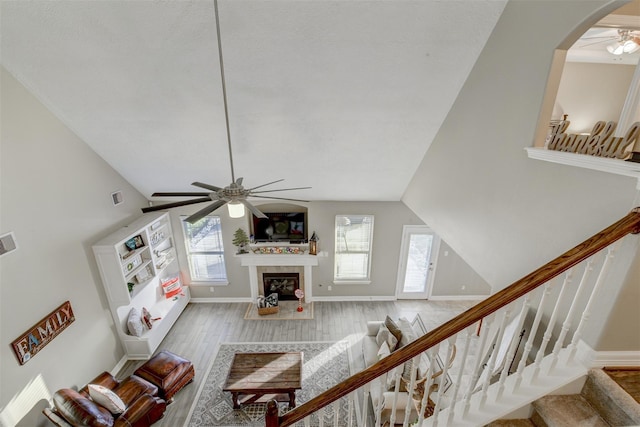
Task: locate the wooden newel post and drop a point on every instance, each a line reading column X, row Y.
column 271, row 416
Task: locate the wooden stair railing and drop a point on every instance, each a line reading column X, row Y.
column 630, row 224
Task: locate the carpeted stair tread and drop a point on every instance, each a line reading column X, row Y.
column 613, row 403
column 565, row 411
column 511, row 423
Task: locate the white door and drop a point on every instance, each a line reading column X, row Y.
column 417, row 266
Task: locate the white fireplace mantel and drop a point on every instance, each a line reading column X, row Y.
column 253, row 261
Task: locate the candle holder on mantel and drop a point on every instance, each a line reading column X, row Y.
column 313, row 244
column 299, row 293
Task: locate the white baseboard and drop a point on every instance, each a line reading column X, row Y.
column 223, row 300
column 599, row 359
column 119, row 365
column 354, row 298
column 458, row 297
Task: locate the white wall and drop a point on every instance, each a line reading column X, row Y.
column 451, row 274
column 503, row 213
column 592, row 92
column 56, row 198
column 389, row 219
column 455, row 278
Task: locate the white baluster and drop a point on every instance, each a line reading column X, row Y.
column 396, row 394
column 366, row 389
column 307, row 421
column 504, row 317
column 611, row 250
column 476, row 366
column 456, row 387
column 574, row 306
column 378, row 408
column 445, row 371
column 429, row 380
column 552, row 322
column 532, row 334
column 336, row 413
column 410, row 387
column 321, row 416
column 350, row 403
column 512, row 347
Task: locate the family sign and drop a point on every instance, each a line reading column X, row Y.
column 42, row 333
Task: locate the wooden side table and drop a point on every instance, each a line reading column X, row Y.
column 265, row 376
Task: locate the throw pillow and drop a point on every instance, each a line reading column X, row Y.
column 134, row 323
column 106, row 398
column 384, row 335
column 393, row 328
column 384, row 351
column 271, row 300
column 146, row 316
column 171, row 287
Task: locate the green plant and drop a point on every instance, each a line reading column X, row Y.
column 240, row 239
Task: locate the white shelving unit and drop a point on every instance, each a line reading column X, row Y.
column 134, row 262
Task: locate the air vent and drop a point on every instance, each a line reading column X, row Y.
column 117, row 198
column 7, row 243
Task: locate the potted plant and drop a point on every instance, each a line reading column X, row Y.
column 241, row 240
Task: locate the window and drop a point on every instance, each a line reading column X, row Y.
column 354, row 234
column 205, row 252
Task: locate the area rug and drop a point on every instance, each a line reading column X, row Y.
column 325, row 365
column 287, row 311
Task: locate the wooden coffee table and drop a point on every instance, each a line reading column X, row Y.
column 265, row 376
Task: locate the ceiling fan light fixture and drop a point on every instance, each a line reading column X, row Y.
column 236, row 209
column 627, row 43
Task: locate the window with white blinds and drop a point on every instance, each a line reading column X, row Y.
column 205, row 251
column 354, row 235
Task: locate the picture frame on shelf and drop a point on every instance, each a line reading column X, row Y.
column 133, row 263
column 134, row 243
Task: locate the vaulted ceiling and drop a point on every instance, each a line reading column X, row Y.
column 344, row 96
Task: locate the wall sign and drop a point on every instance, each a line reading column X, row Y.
column 600, row 142
column 41, row 334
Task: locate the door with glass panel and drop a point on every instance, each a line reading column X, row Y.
column 417, row 265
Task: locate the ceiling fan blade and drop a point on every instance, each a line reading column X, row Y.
column 281, row 198
column 595, row 43
column 282, row 189
column 204, row 212
column 175, row 204
column 252, row 208
column 264, row 185
column 181, row 194
column 207, row 186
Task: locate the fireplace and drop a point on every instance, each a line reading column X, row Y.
column 284, row 284
column 259, row 264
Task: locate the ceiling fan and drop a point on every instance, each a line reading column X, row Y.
column 620, row 42
column 234, row 195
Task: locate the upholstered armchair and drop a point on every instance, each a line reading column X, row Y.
column 108, row 402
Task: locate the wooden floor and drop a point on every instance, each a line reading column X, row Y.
column 628, row 379
column 202, row 327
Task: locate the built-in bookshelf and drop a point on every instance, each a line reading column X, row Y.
column 134, row 262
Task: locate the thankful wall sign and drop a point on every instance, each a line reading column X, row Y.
column 42, row 333
column 600, row 142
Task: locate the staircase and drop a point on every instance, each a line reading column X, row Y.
column 602, row 402
column 561, row 296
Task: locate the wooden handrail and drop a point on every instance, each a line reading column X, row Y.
column 630, row 224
